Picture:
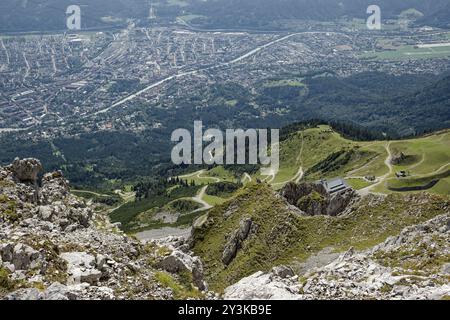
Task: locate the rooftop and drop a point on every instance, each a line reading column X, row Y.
column 334, row 185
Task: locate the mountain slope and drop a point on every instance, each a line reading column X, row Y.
column 258, row 13
column 413, row 265
column 33, row 15
column 54, row 245
column 278, row 234
column 41, row 15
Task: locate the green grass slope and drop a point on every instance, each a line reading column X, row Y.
column 283, row 237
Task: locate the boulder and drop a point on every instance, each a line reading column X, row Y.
column 283, row 272
column 45, row 213
column 6, row 251
column 54, row 188
column 446, row 269
column 26, row 294
column 81, row 267
column 19, row 256
column 25, row 257
column 179, row 261
column 26, row 170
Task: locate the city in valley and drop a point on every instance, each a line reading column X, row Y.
column 79, row 82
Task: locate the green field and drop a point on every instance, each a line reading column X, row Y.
column 322, row 153
column 358, row 184
column 190, row 17
column 283, row 83
column 409, row 52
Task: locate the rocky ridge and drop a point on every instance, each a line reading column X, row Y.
column 53, row 245
column 412, row 265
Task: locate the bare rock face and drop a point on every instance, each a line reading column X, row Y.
column 55, row 291
column 54, row 187
column 51, row 238
column 313, row 199
column 339, row 202
column 279, row 284
column 179, row 261
column 26, row 170
column 367, row 275
column 293, row 191
column 234, row 243
column 19, row 256
column 81, row 267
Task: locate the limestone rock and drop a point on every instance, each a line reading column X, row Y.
column 26, row 170
column 55, row 291
column 54, row 188
column 263, row 286
column 81, row 267
column 235, row 241
column 179, row 261
column 21, row 256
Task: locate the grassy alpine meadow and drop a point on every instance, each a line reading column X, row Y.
column 308, row 155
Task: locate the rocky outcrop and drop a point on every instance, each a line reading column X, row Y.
column 54, row 241
column 396, row 269
column 279, row 284
column 236, row 239
column 54, row 188
column 55, row 291
column 19, row 256
column 398, row 158
column 179, row 261
column 313, row 199
column 292, row 192
column 338, row 203
column 81, row 267
column 26, row 170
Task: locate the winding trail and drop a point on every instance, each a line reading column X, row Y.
column 201, row 194
column 198, row 174
column 199, row 199
column 387, row 162
column 92, row 192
